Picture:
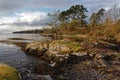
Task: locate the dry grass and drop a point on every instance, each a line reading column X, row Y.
column 8, row 73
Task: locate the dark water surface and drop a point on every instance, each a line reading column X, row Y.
column 12, row 55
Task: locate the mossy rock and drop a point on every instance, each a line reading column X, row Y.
column 36, row 48
column 65, row 46
column 8, row 73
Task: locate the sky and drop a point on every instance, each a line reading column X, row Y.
column 17, row 15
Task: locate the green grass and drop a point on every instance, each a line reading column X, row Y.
column 74, row 46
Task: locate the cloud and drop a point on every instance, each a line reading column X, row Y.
column 51, row 3
column 31, row 18
column 25, row 14
column 25, row 18
column 7, row 5
column 12, row 5
column 94, row 5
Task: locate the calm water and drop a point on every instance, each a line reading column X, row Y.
column 12, row 55
column 28, row 37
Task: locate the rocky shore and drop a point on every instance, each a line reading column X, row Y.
column 69, row 60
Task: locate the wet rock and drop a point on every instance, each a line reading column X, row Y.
column 46, row 69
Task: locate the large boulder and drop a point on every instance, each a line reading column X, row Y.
column 36, row 48
column 57, row 47
column 53, row 51
column 64, row 47
column 8, row 73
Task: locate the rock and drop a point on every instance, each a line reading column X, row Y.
column 68, row 62
column 56, row 47
column 69, row 65
column 99, row 60
column 8, row 73
column 55, row 51
column 45, row 69
column 36, row 48
column 41, row 77
column 87, row 67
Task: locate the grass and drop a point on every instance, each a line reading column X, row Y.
column 8, row 73
column 74, row 46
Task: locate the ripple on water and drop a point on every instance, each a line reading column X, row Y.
column 13, row 56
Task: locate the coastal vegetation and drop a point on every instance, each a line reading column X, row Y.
column 81, row 48
column 102, row 24
column 8, row 73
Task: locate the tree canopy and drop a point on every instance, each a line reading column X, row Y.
column 75, row 12
column 95, row 18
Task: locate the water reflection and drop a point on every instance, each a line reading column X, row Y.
column 13, row 56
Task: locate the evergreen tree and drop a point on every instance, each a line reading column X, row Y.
column 76, row 12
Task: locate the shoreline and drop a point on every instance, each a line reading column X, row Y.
column 96, row 60
column 66, row 64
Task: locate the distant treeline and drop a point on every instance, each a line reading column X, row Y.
column 30, row 31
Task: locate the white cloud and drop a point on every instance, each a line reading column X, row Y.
column 11, row 28
column 31, row 16
column 7, row 20
column 23, row 21
column 25, row 17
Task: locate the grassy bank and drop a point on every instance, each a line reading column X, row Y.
column 8, row 73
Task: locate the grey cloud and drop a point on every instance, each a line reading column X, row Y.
column 51, row 3
column 13, row 6
column 94, row 5
column 33, row 23
column 7, row 5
